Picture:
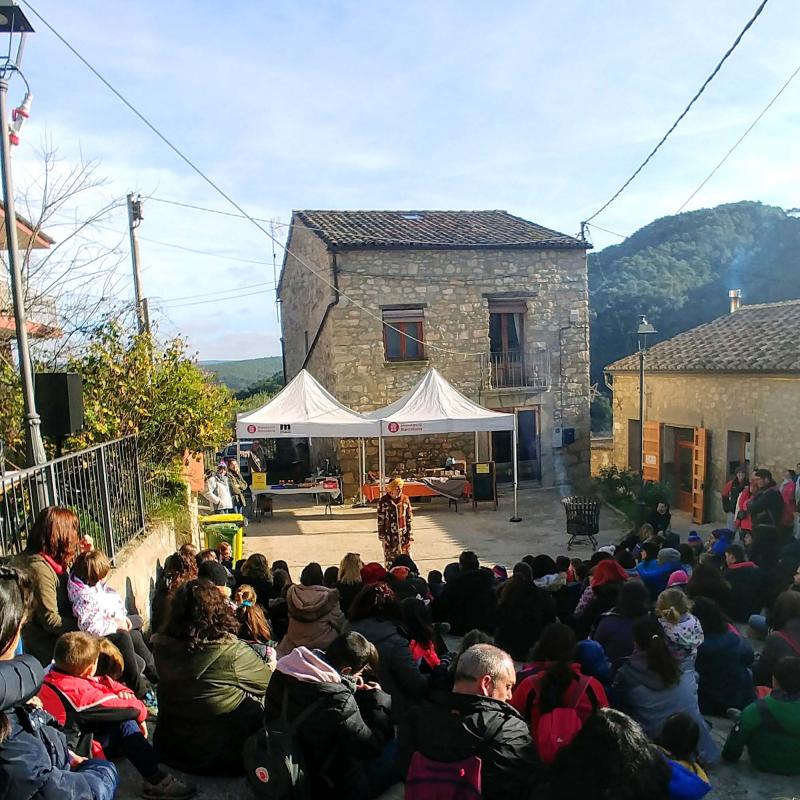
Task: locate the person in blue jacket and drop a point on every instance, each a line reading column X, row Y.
column 35, row 762
column 656, row 565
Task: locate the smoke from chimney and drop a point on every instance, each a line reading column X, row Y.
column 735, row 296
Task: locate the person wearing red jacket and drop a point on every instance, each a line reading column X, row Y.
column 101, row 716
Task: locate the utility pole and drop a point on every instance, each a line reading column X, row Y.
column 33, row 433
column 135, row 218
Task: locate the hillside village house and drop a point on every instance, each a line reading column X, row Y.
column 497, row 304
column 722, row 394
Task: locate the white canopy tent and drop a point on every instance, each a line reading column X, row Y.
column 306, row 409
column 436, row 406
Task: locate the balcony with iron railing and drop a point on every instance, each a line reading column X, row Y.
column 518, row 369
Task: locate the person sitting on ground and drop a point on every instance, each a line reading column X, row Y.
column 211, row 686
column 723, row 663
column 651, row 686
column 100, row 611
column 678, row 580
column 349, row 583
column 607, row 578
column 552, row 578
column 435, row 583
column 660, row 518
column 610, row 757
column 278, row 611
column 330, row 577
column 561, row 684
column 217, row 490
column 633, row 541
column 348, row 726
column 614, row 631
column 468, row 600
column 99, row 709
column 179, row 568
column 225, row 555
column 376, row 615
column 747, row 583
column 716, row 546
column 281, row 564
column 315, row 617
column 678, row 741
column 215, row 573
column 419, row 626
column 50, row 551
column 474, row 720
column 253, row 626
column 770, row 728
column 708, row 581
column 207, row 554
column 682, row 629
column 35, row 761
column 411, row 584
column 783, row 639
column 660, row 563
column 523, row 610
column 255, row 572
column 372, row 573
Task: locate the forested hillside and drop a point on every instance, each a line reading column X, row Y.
column 678, row 271
column 239, row 375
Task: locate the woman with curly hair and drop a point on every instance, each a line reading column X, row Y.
column 255, row 572
column 179, row 568
column 211, row 687
column 51, row 549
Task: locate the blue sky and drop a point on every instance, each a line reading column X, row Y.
column 539, row 108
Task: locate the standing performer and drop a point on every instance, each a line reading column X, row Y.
column 394, row 521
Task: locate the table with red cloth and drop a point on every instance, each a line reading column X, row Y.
column 451, row 488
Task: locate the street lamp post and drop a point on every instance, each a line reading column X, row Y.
column 644, row 330
column 12, row 21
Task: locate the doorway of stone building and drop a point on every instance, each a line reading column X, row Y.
column 529, row 463
column 683, row 468
column 738, row 451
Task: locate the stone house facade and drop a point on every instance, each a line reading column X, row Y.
column 717, row 396
column 499, row 305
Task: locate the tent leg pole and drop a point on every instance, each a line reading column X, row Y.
column 382, row 462
column 476, row 447
column 516, row 517
column 360, row 502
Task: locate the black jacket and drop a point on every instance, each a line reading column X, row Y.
column 34, row 759
column 747, row 590
column 453, row 727
column 467, row 602
column 766, row 508
column 521, row 616
column 398, row 673
column 347, row 593
column 775, row 648
column 724, row 678
column 346, row 729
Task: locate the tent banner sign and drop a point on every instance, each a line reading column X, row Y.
column 404, row 427
column 268, row 429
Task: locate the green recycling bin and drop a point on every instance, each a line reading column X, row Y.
column 225, row 532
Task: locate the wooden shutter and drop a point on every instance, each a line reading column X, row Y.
column 702, row 443
column 651, row 454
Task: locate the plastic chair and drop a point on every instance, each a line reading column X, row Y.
column 583, row 519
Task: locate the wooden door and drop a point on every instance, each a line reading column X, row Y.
column 651, row 455
column 700, row 464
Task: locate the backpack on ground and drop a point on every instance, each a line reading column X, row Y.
column 558, row 727
column 443, row 780
column 273, row 761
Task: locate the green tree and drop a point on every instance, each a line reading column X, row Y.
column 11, row 414
column 132, row 385
column 601, row 414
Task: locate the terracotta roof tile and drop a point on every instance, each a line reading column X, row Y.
column 757, row 338
column 433, row 229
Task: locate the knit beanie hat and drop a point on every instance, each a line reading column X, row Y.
column 401, row 573
column 669, row 555
column 608, row 571
column 694, row 538
column 213, row 571
column 372, row 573
column 678, row 578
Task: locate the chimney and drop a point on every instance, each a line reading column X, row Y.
column 735, row 296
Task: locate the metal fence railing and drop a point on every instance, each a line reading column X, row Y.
column 520, row 369
column 104, row 485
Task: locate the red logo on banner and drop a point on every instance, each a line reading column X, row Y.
column 393, row 427
column 251, row 428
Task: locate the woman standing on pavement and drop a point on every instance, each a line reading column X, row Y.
column 394, row 521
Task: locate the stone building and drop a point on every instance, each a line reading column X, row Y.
column 499, row 305
column 722, row 394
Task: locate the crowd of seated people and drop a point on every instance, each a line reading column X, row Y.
column 559, row 677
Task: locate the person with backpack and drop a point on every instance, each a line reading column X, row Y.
column 339, row 724
column 678, row 741
column 557, row 700
column 770, row 728
column 470, row 742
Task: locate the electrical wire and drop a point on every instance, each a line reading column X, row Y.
column 685, row 111
column 216, row 299
column 265, row 284
column 738, row 141
column 606, row 230
column 226, row 196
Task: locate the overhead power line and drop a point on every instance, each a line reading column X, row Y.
column 739, row 141
column 685, row 111
column 227, row 197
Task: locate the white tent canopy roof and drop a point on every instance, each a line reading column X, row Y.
column 436, row 406
column 301, row 409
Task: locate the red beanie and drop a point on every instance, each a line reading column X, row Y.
column 372, row 573
column 608, row 571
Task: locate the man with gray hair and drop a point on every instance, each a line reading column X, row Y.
column 475, row 720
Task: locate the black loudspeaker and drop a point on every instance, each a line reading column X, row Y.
column 59, row 401
column 568, row 435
